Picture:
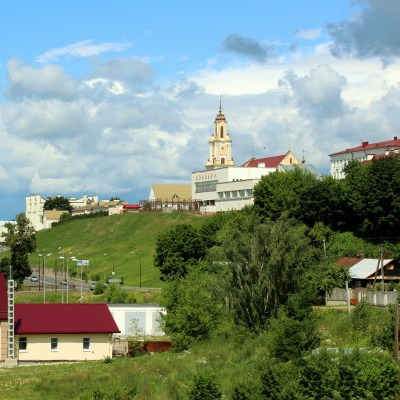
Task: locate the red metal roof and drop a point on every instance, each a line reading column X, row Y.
column 132, row 206
column 365, row 146
column 3, row 298
column 63, row 318
column 269, row 162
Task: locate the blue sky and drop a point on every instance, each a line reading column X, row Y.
column 105, row 98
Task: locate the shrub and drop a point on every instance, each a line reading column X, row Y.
column 205, row 387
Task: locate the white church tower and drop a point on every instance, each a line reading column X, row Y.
column 220, row 144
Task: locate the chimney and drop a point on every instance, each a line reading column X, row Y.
column 395, row 138
column 364, row 144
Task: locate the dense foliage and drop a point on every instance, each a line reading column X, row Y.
column 21, row 239
column 176, row 250
column 366, row 202
column 59, row 203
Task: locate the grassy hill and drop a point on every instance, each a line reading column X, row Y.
column 115, row 235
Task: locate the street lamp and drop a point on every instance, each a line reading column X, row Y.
column 44, row 279
column 140, row 270
column 109, row 255
column 73, row 259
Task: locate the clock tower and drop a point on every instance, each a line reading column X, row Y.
column 220, row 144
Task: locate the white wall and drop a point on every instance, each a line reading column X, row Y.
column 146, row 316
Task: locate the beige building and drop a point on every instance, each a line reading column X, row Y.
column 35, row 213
column 220, row 144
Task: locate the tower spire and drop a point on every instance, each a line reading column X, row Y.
column 220, row 143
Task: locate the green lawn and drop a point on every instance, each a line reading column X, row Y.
column 128, row 239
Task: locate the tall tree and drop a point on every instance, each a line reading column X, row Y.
column 21, row 239
column 265, row 261
column 59, row 203
column 176, row 250
column 280, row 192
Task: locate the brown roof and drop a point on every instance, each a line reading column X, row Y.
column 348, row 261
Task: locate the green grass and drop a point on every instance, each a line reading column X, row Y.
column 116, row 235
column 161, row 376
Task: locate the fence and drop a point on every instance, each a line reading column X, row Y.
column 339, row 297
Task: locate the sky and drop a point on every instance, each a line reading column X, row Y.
column 105, row 98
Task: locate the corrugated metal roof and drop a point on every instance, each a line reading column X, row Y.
column 63, row 318
column 348, row 261
column 366, row 267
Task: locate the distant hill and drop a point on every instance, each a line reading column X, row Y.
column 115, row 235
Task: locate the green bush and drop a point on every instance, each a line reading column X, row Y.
column 290, row 338
column 204, row 387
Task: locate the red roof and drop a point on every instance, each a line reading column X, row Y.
column 63, row 318
column 132, row 206
column 3, row 298
column 365, row 146
column 269, row 162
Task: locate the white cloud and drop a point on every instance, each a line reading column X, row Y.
column 84, row 48
column 309, row 34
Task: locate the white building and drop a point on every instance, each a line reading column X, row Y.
column 137, row 319
column 222, row 186
column 35, row 213
column 365, row 152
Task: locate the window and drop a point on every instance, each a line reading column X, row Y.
column 23, row 344
column 54, row 344
column 222, row 131
column 86, row 344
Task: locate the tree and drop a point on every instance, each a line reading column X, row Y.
column 193, row 307
column 265, row 261
column 21, row 239
column 372, row 191
column 280, row 192
column 59, row 203
column 176, row 250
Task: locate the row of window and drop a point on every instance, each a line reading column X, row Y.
column 23, row 344
column 235, row 194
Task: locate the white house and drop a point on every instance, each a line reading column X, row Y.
column 365, row 152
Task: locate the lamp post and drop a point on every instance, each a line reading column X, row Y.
column 44, row 276
column 71, row 258
column 62, row 275
column 140, row 270
column 109, row 255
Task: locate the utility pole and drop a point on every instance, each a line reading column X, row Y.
column 396, row 330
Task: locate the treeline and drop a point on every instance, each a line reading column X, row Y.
column 366, row 202
column 262, row 269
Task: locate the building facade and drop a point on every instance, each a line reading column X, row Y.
column 222, row 186
column 365, row 152
column 35, row 213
